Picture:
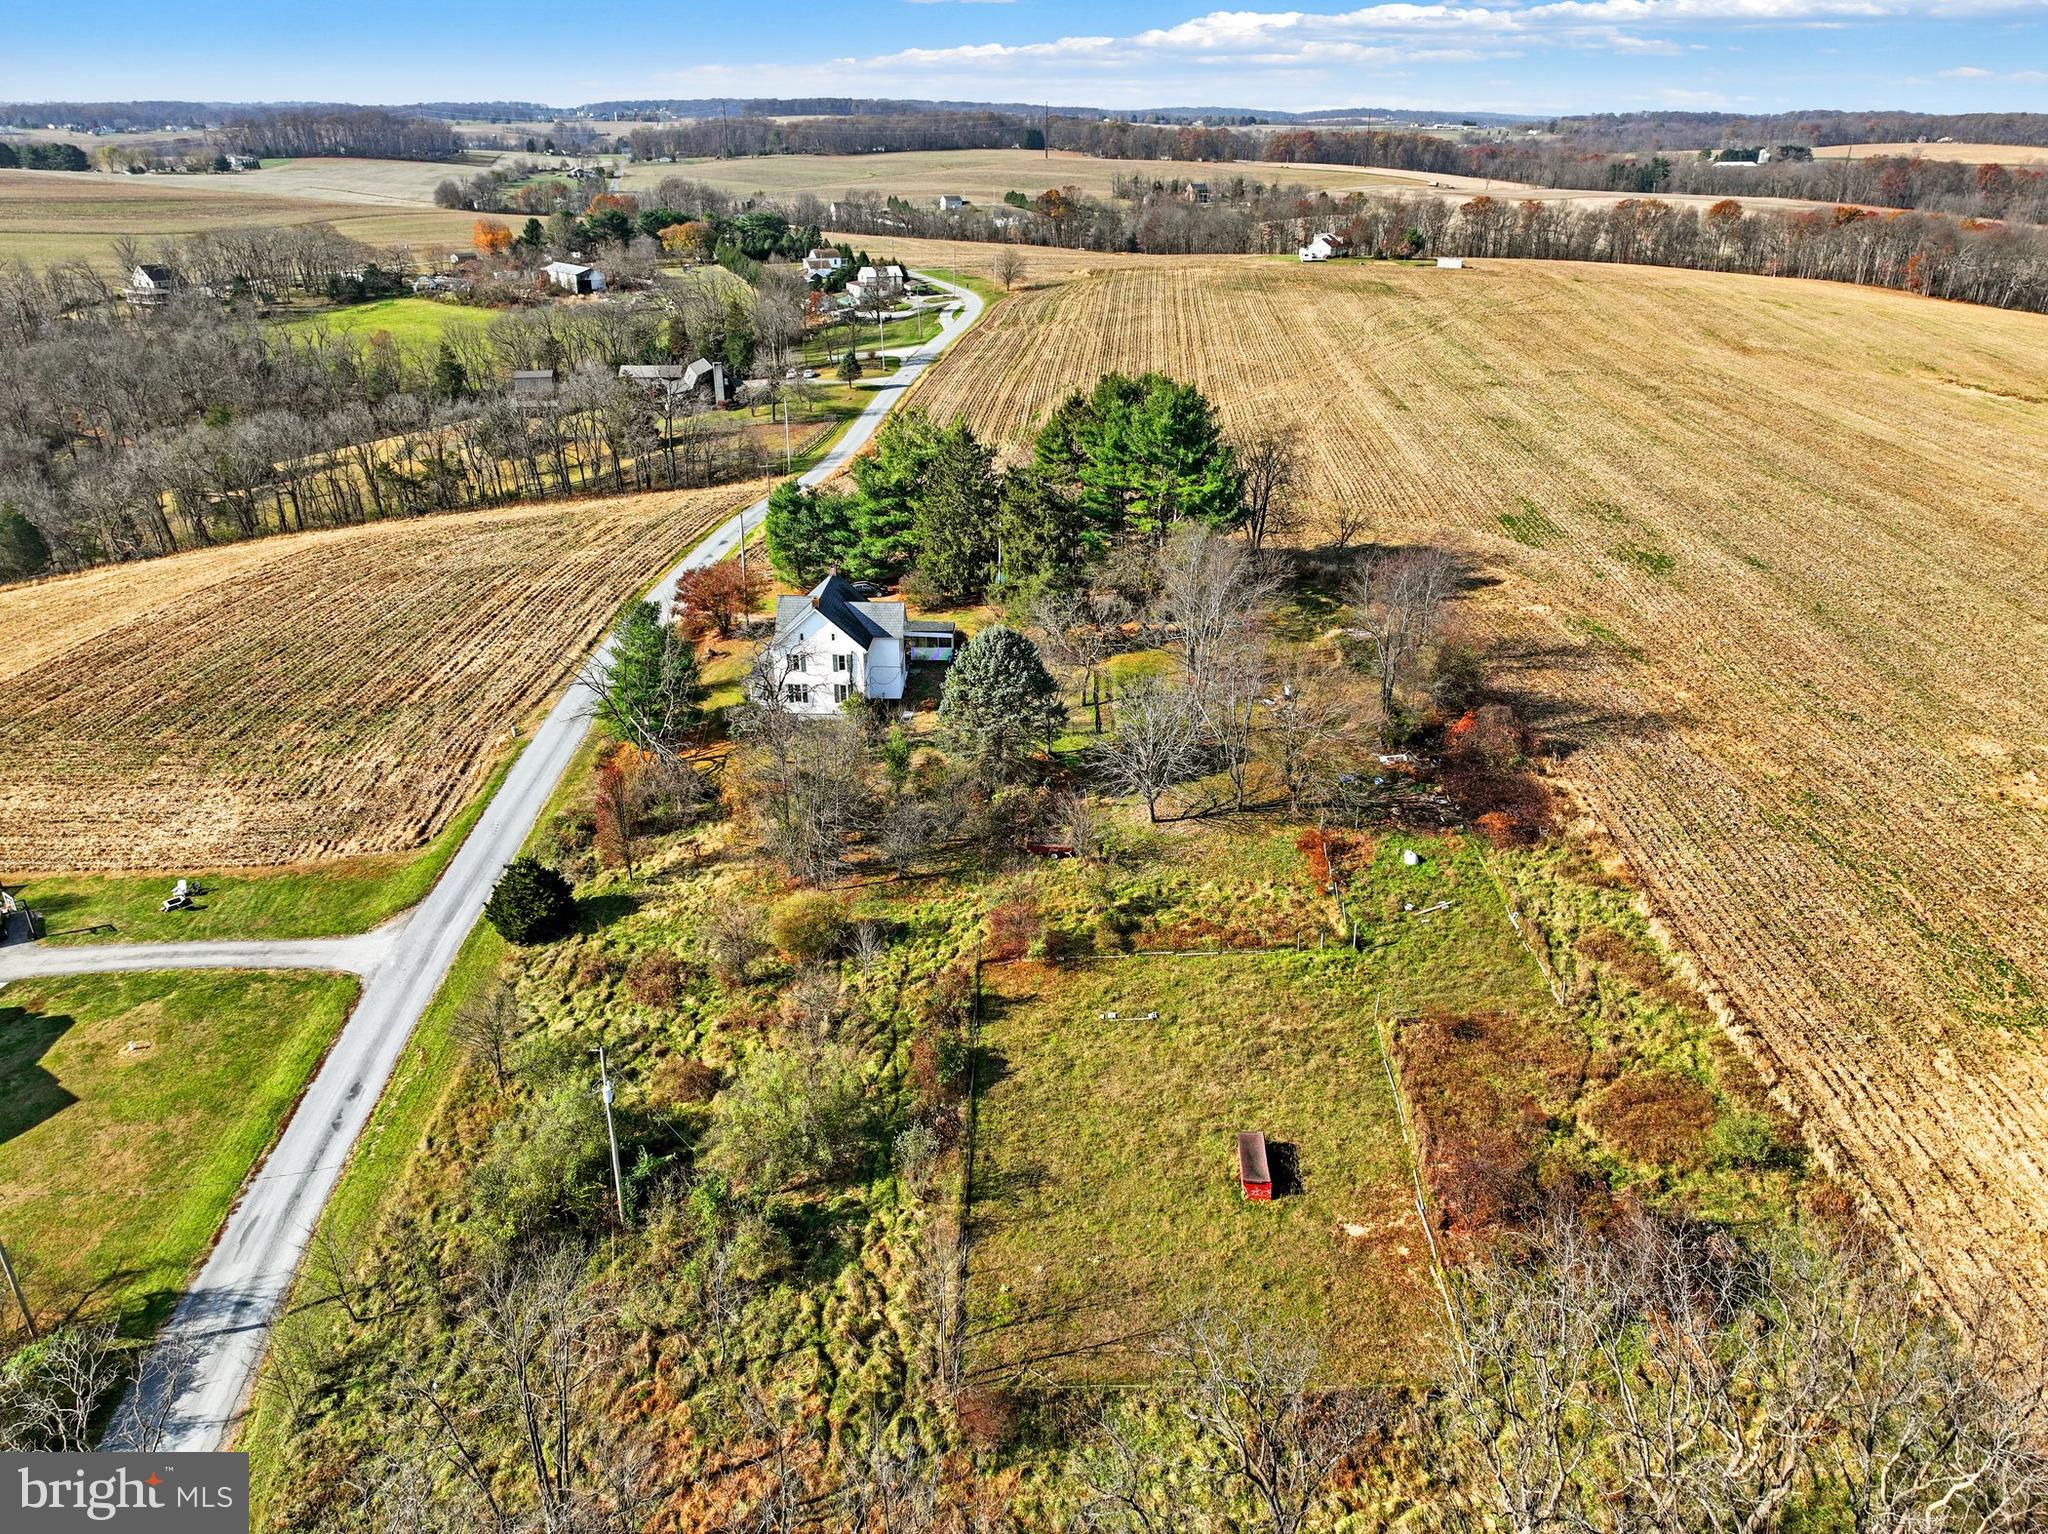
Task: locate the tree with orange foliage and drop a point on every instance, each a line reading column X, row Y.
column 1726, row 211
column 490, row 237
column 611, row 804
column 691, row 241
column 711, row 600
column 617, row 201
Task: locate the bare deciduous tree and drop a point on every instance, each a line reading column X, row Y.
column 1270, row 458
column 1008, row 267
column 1158, row 741
column 1659, row 1378
column 486, row 1024
column 1251, row 1392
column 1398, row 602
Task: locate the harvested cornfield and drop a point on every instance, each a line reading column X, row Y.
column 1044, row 265
column 307, row 696
column 1766, row 560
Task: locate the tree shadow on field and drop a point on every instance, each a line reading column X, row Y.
column 29, row 1094
column 1565, row 692
column 596, row 912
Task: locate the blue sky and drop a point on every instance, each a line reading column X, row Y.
column 1505, row 55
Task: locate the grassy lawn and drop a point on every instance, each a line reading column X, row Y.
column 417, row 324
column 117, row 1164
column 321, row 900
column 1106, row 1201
column 824, row 348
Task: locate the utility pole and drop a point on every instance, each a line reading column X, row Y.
column 604, row 1077
column 788, row 457
column 21, row 1304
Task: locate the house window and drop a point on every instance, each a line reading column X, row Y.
column 839, row 663
column 840, row 691
column 797, row 693
column 798, row 661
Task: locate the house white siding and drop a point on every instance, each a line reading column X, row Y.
column 822, row 667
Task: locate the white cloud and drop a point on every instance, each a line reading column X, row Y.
column 1278, row 48
column 1966, row 72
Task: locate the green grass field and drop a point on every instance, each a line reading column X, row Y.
column 322, row 900
column 415, row 324
column 1105, row 1203
column 132, row 1108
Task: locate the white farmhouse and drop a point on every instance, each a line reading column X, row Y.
column 1326, row 247
column 888, row 281
column 829, row 645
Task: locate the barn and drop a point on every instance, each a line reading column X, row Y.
column 1254, row 1176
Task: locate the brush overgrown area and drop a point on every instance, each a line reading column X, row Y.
column 132, row 1109
column 321, row 696
column 1758, row 556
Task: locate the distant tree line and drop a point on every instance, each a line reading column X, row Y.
column 730, row 137
column 1634, row 131
column 39, row 155
column 365, row 133
column 1973, row 260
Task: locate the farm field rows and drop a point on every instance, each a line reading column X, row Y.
column 980, row 175
column 1967, row 154
column 318, row 695
column 48, row 216
column 1765, row 561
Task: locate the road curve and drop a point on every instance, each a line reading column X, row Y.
column 222, row 1322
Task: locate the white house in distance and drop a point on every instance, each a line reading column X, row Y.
column 829, row 644
column 948, row 203
column 822, row 263
column 149, row 283
column 1326, row 247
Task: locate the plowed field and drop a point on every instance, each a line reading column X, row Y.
column 1768, row 559
column 306, row 696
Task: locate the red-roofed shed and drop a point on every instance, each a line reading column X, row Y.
column 1253, row 1174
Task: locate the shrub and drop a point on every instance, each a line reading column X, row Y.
column 730, row 941
column 1659, row 1118
column 655, row 979
column 1012, row 929
column 680, row 1080
column 531, row 904
column 987, row 1415
column 808, row 926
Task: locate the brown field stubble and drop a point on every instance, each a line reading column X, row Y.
column 1766, row 558
column 309, row 696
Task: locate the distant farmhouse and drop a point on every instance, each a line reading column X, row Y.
column 1326, row 247
column 830, row 645
column 150, row 284
column 822, row 263
column 676, row 381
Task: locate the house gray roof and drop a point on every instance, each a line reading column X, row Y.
column 862, row 622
